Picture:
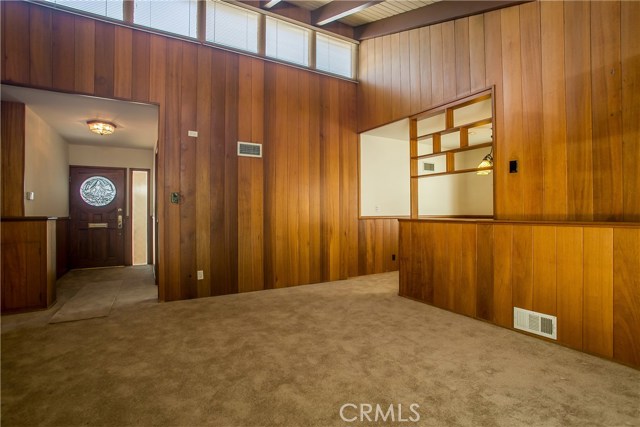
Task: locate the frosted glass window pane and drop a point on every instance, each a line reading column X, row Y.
column 287, row 42
column 232, row 26
column 334, row 55
column 109, row 8
column 173, row 16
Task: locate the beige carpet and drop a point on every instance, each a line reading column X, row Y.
column 293, row 357
column 95, row 299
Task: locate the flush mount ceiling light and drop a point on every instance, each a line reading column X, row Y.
column 100, row 127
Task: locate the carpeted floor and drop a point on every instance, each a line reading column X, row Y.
column 294, row 357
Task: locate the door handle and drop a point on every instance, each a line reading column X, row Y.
column 120, row 221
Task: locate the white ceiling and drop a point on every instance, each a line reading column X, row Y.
column 395, row 130
column 137, row 124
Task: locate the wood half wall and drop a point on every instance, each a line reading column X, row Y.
column 566, row 77
column 587, row 275
column 289, row 218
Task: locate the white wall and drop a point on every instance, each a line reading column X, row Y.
column 384, row 176
column 46, row 169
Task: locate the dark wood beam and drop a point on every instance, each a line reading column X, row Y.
column 435, row 13
column 339, row 9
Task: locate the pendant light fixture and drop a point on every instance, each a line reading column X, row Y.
column 486, row 162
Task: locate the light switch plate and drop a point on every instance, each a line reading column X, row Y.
column 193, row 133
column 200, row 275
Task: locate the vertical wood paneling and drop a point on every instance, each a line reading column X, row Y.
column 440, row 265
column 606, row 84
column 532, row 179
column 171, row 163
column 292, row 178
column 315, row 266
column 62, row 51
column 484, row 250
column 493, row 61
column 415, row 71
column 395, row 77
column 466, row 291
column 510, row 144
column 203, row 159
column 425, row 68
column 231, row 174
column 449, row 60
column 140, row 67
column 13, row 145
column 104, row 61
column 188, row 189
column 405, row 75
column 437, row 64
column 476, row 53
column 578, row 99
column 502, row 291
column 85, row 51
column 123, row 63
column 303, row 132
column 15, row 42
column 544, row 270
column 554, row 138
column 630, row 56
column 463, row 57
column 40, row 66
column 569, row 279
column 386, row 108
column 522, row 267
column 626, row 295
column 598, row 291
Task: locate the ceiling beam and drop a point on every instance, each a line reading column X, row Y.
column 337, row 9
column 445, row 10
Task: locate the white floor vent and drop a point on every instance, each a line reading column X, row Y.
column 535, row 323
column 249, row 149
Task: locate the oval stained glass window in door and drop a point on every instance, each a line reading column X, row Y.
column 98, row 191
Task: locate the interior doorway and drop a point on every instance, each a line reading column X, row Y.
column 141, row 247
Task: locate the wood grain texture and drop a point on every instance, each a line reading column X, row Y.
column 16, row 61
column 105, row 60
column 123, row 63
column 522, row 267
column 598, row 291
column 13, row 157
column 40, row 66
column 463, row 57
column 63, row 51
column 437, row 64
column 449, row 61
column 140, row 66
column 630, row 57
column 579, row 118
column 85, row 53
column 554, row 138
column 569, row 280
column 626, row 295
column 606, row 86
column 502, row 273
column 544, row 270
column 465, row 299
column 484, row 250
column 532, row 111
column 476, row 53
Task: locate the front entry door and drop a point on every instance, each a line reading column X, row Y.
column 97, row 210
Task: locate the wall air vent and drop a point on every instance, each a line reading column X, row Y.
column 249, row 149
column 428, row 167
column 535, row 323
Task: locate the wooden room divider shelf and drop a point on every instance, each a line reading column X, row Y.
column 444, row 132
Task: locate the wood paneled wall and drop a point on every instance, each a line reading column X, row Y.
column 567, row 102
column 289, row 218
column 586, row 275
column 12, row 149
column 28, row 263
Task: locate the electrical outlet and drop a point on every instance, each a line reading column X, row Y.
column 192, row 133
column 393, row 257
column 200, row 275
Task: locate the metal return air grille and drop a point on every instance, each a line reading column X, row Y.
column 249, row 149
column 535, row 323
